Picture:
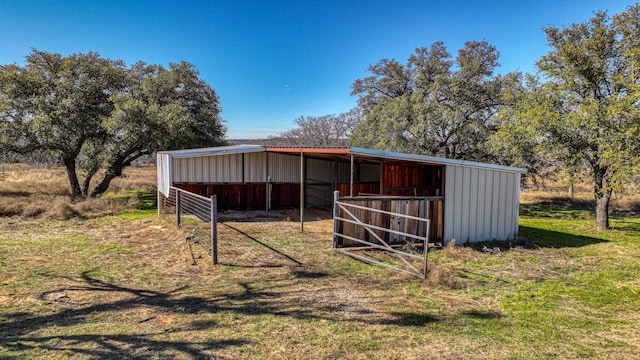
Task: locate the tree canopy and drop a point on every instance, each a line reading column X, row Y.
column 584, row 105
column 433, row 105
column 93, row 113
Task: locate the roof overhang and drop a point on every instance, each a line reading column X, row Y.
column 220, row 150
column 342, row 152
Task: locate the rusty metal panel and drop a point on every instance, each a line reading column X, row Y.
column 284, row 168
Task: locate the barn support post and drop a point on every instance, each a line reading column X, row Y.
column 214, row 229
column 177, row 208
column 267, row 183
column 336, row 178
column 351, row 178
column 336, row 198
column 301, row 190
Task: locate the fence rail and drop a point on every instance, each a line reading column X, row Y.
column 186, row 204
column 398, row 225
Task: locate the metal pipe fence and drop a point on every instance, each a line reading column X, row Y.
column 187, row 205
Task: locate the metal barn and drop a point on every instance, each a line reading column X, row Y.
column 479, row 201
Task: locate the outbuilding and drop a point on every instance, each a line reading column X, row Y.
column 479, row 202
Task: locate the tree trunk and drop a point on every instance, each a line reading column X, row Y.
column 571, row 190
column 102, row 187
column 76, row 191
column 87, row 180
column 111, row 173
column 602, row 210
column 603, row 195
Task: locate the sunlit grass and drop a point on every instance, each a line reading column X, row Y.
column 121, row 284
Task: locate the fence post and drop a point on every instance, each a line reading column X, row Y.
column 177, row 208
column 214, row 229
column 336, row 197
column 426, row 248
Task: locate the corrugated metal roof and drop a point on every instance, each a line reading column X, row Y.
column 220, row 150
column 430, row 159
column 344, row 150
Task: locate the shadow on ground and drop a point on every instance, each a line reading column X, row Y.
column 555, row 239
column 63, row 330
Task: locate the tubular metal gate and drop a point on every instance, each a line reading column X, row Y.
column 189, row 205
column 394, row 224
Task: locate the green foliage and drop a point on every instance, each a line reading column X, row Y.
column 583, row 111
column 433, row 105
column 92, row 113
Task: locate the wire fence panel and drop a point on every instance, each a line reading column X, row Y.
column 192, row 211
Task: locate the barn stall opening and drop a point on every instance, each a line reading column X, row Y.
column 478, row 202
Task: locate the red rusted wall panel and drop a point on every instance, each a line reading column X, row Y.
column 248, row 196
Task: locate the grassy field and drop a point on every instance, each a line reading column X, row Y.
column 108, row 280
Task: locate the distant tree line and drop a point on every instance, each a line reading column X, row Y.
column 90, row 113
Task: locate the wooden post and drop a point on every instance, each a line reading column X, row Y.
column 214, row 229
column 177, row 208
column 301, row 191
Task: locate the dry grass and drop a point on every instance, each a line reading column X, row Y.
column 44, row 193
column 108, row 285
column 582, row 199
column 127, row 288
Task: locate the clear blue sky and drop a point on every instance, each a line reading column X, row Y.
column 272, row 61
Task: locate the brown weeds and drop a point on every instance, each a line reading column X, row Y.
column 44, row 193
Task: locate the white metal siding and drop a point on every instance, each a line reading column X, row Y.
column 284, row 168
column 480, row 204
column 208, row 169
column 164, row 170
column 255, row 167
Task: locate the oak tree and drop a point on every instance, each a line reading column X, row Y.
column 433, row 105
column 583, row 106
column 93, row 113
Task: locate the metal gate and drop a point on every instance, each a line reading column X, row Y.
column 398, row 226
